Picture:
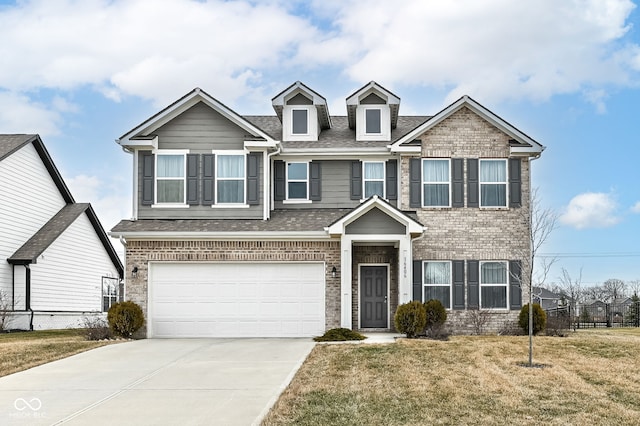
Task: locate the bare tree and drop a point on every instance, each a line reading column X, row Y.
column 613, row 289
column 595, row 292
column 634, row 287
column 6, row 310
column 542, row 222
column 572, row 287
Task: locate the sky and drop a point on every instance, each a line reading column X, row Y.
column 82, row 73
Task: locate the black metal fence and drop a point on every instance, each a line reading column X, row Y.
column 595, row 315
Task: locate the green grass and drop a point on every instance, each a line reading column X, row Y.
column 590, row 377
column 22, row 350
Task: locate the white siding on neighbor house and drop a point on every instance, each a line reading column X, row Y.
column 20, row 280
column 28, row 199
column 68, row 275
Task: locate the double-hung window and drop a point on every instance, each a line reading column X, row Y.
column 299, row 121
column 436, row 182
column 494, row 283
column 493, row 183
column 170, row 178
column 373, row 121
column 373, row 182
column 437, row 282
column 109, row 292
column 298, row 181
column 230, row 178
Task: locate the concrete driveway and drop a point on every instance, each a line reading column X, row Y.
column 156, row 382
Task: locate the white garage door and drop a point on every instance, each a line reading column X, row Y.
column 236, row 299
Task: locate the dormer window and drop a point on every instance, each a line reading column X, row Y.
column 299, row 122
column 373, row 121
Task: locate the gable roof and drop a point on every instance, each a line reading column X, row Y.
column 50, row 231
column 413, row 226
column 318, row 101
column 12, row 143
column 354, row 99
column 144, row 129
column 521, row 144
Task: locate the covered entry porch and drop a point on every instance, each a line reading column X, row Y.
column 375, row 263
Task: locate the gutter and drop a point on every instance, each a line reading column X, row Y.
column 229, row 236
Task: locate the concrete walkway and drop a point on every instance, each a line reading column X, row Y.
column 156, row 382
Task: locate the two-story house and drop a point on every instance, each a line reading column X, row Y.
column 298, row 222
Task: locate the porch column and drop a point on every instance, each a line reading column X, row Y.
column 405, row 266
column 345, row 282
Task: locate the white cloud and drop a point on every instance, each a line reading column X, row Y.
column 636, row 207
column 19, row 114
column 494, row 50
column 591, row 210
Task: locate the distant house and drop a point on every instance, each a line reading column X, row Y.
column 546, row 298
column 56, row 261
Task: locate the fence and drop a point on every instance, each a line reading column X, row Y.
column 595, row 315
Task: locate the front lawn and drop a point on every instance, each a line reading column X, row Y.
column 22, row 350
column 591, row 377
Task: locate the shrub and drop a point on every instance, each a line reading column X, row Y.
column 339, row 335
column 539, row 318
column 125, row 318
column 436, row 317
column 96, row 328
column 410, row 318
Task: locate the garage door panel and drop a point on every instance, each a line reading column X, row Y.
column 236, row 300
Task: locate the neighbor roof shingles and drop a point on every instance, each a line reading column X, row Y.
column 10, row 143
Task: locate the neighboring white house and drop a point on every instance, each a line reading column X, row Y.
column 56, row 261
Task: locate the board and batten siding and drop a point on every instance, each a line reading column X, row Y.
column 28, row 199
column 68, row 275
column 200, row 129
column 335, row 188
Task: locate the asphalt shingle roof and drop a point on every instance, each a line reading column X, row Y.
column 10, row 143
column 303, row 220
column 338, row 136
column 51, row 230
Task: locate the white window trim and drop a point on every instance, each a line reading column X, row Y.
column 161, row 152
column 481, row 284
column 506, row 184
column 288, row 200
column 312, row 123
column 109, row 284
column 385, row 123
column 425, row 183
column 218, row 204
column 450, row 285
column 384, row 179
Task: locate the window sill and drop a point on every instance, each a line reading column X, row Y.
column 293, row 201
column 494, row 208
column 169, row 206
column 230, row 206
column 436, row 207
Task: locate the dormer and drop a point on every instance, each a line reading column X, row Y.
column 373, row 112
column 302, row 112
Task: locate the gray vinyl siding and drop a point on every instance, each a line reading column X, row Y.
column 375, row 222
column 200, row 129
column 199, row 211
column 336, row 184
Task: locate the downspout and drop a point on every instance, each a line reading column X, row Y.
column 27, row 296
column 267, row 184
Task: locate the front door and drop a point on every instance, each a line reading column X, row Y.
column 373, row 297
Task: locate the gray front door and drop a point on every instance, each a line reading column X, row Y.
column 373, row 297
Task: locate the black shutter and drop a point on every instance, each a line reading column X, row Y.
column 415, row 182
column 457, row 182
column 458, row 284
column 208, row 179
column 279, row 180
column 193, row 164
column 515, row 182
column 392, row 180
column 315, row 181
column 148, row 163
column 473, row 199
column 515, row 284
column 473, row 284
column 356, row 180
column 253, row 178
column 417, row 280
